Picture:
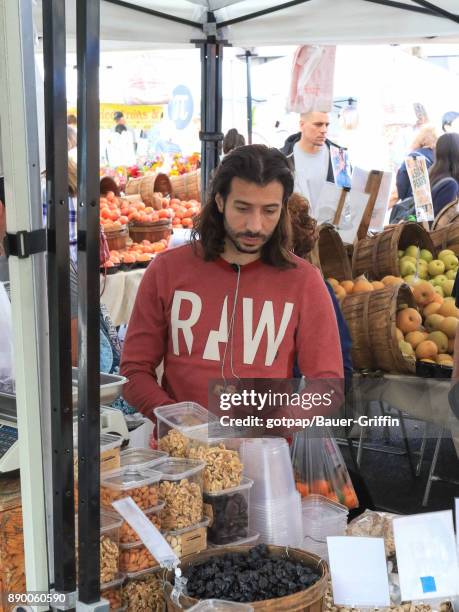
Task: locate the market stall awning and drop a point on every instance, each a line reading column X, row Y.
column 144, row 24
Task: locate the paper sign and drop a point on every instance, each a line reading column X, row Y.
column 426, row 556
column 351, row 217
column 420, row 184
column 327, row 203
column 367, row 586
column 147, row 532
column 359, row 183
column 341, row 166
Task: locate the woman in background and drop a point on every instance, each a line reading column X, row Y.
column 232, row 140
column 423, row 145
column 444, row 174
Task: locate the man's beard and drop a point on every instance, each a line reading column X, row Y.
column 233, row 237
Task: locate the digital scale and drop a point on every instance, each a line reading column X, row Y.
column 111, row 420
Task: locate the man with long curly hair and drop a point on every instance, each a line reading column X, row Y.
column 235, row 303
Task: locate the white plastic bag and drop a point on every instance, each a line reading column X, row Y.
column 6, row 341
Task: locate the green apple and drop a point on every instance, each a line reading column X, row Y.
column 408, row 258
column 407, row 268
column 423, row 273
column 400, row 253
column 410, row 279
column 445, row 252
column 426, row 255
column 440, row 339
column 436, row 267
column 439, row 290
column 451, row 262
column 405, row 348
column 412, row 251
column 438, row 280
column 451, row 274
column 447, row 287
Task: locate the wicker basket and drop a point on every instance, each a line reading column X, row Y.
column 447, row 215
column 187, row 186
column 376, row 256
column 447, row 237
column 117, row 239
column 372, row 320
column 309, row 600
column 150, row 231
column 133, row 186
column 330, row 255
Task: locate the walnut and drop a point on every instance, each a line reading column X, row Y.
column 223, row 467
column 109, row 559
column 174, row 443
column 183, row 504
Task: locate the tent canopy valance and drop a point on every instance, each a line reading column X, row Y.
column 136, row 24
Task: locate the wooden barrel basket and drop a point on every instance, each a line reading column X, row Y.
column 148, row 185
column 372, row 321
column 309, row 600
column 150, row 231
column 187, row 186
column 448, row 214
column 376, row 256
column 447, row 237
column 330, row 254
column 117, row 239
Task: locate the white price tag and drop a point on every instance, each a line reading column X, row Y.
column 147, row 532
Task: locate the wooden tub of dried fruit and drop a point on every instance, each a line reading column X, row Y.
column 308, row 599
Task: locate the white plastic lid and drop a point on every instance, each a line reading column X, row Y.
column 176, row 532
column 246, row 483
column 128, row 478
column 107, row 441
column 109, row 521
column 323, row 505
column 184, row 416
column 142, row 457
column 250, row 539
column 118, row 581
column 177, row 469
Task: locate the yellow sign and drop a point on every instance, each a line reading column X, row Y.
column 142, row 116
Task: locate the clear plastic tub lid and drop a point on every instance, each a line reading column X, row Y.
column 142, row 457
column 118, row 581
column 218, row 605
column 178, row 469
column 177, row 532
column 109, row 520
column 252, row 538
column 144, row 572
column 246, row 483
column 323, row 504
column 107, row 441
column 128, row 478
column 185, row 416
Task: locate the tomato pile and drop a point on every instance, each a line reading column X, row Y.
column 115, row 212
column 135, row 254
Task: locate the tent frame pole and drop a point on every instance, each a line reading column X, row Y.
column 211, row 105
column 88, row 60
column 248, row 64
column 18, row 108
column 59, row 295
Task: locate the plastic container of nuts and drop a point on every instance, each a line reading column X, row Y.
column 113, row 592
column 110, row 524
column 189, row 540
column 143, row 592
column 229, row 511
column 135, row 557
column 127, row 533
column 182, row 426
column 181, row 489
column 141, row 485
column 141, row 458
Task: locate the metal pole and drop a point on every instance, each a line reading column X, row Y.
column 88, row 52
column 59, row 294
column 248, row 63
column 22, row 185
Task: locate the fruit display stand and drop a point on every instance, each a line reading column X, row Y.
column 187, row 186
column 447, row 237
column 119, row 293
column 376, row 256
column 372, row 320
column 448, row 214
column 330, row 254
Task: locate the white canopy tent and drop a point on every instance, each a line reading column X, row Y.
column 247, row 23
column 143, row 25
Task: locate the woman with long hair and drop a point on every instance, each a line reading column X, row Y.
column 423, row 145
column 444, row 174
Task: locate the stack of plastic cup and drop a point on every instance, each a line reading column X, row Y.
column 321, row 518
column 275, row 504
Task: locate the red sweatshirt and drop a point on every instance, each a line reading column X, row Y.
column 184, row 314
